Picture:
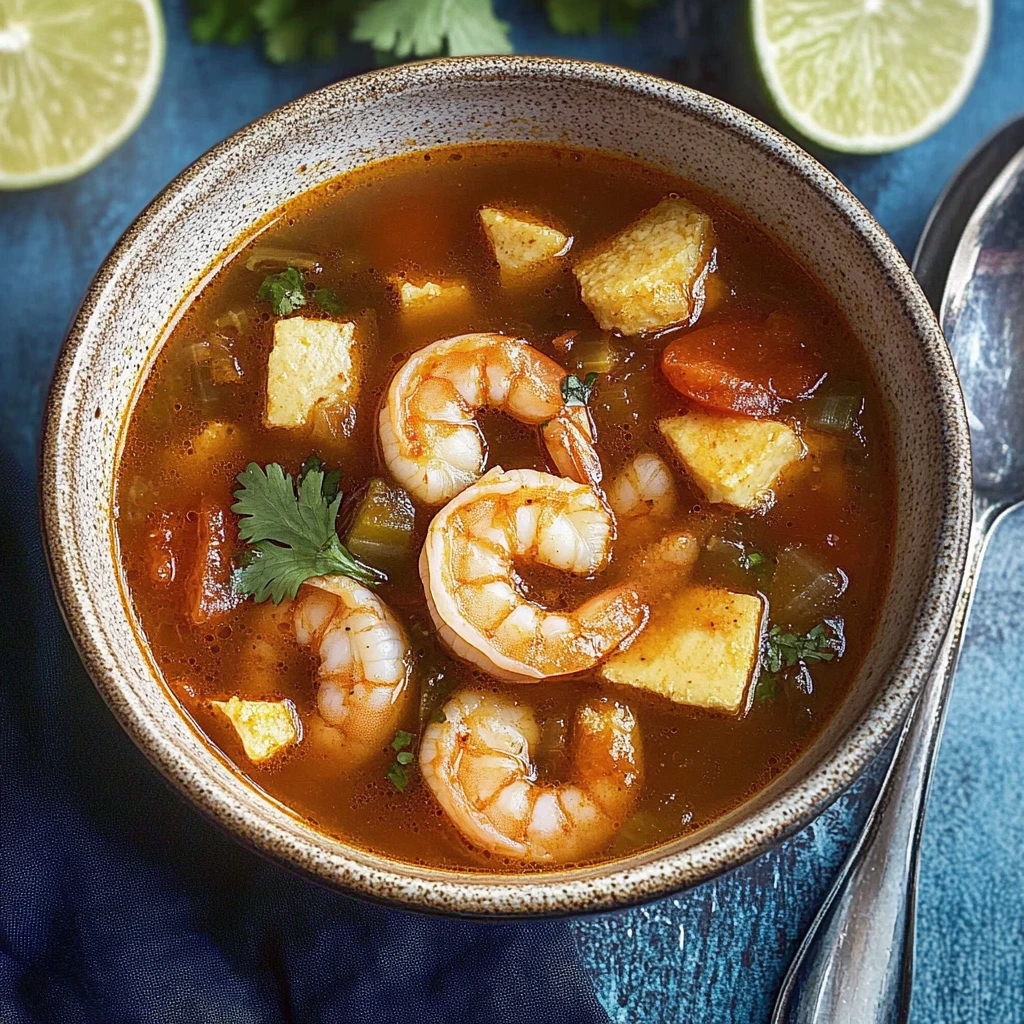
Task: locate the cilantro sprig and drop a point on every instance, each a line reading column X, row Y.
column 293, row 29
column 576, row 391
column 286, row 292
column 291, row 532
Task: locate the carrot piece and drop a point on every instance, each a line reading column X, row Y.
column 210, row 593
column 753, row 367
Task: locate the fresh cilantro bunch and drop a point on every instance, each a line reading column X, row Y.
column 402, row 29
column 291, row 531
column 286, row 292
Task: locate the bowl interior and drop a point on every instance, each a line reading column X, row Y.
column 181, row 239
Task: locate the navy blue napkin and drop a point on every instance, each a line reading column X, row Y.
column 120, row 903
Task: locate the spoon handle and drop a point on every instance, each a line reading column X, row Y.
column 855, row 963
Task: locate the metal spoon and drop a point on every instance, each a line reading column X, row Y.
column 855, row 964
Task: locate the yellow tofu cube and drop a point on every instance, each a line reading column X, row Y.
column 521, row 246
column 702, row 649
column 732, row 459
column 265, row 727
column 428, row 296
column 651, row 274
column 312, row 361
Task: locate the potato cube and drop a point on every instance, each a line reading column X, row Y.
column 428, row 296
column 265, row 727
column 521, row 246
column 732, row 459
column 701, row 648
column 312, row 361
column 650, row 275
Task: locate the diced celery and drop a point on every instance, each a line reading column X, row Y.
column 381, row 523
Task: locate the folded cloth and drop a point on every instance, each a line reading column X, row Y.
column 119, row 903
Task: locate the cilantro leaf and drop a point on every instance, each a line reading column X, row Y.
column 404, row 757
column 753, row 560
column 285, row 292
column 767, row 687
column 576, row 391
column 331, row 486
column 328, row 300
column 291, row 534
column 422, row 28
column 398, row 775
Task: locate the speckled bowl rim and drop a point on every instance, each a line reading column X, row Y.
column 641, row 877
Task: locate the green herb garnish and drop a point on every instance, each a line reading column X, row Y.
column 293, row 29
column 330, row 487
column 752, row 560
column 786, row 650
column 398, row 770
column 398, row 775
column 576, row 391
column 402, row 740
column 328, row 300
column 285, row 291
column 782, row 652
column 291, row 534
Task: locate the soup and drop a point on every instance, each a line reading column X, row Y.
column 504, row 507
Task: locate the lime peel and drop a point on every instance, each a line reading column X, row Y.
column 869, row 76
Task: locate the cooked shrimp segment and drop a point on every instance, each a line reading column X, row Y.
column 468, row 570
column 428, row 430
column 644, row 487
column 364, row 661
column 477, row 764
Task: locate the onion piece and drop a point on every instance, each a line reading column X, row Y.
column 804, row 589
column 266, row 257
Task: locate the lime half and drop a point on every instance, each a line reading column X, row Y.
column 77, row 78
column 869, row 76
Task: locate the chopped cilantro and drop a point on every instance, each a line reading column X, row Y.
column 767, row 687
column 785, row 650
column 328, row 300
column 402, row 740
column 291, row 535
column 398, row 774
column 404, row 756
column 285, row 291
column 576, row 391
column 753, row 560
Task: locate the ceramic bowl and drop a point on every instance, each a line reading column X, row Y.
column 193, row 225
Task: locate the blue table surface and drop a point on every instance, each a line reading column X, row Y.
column 715, row 953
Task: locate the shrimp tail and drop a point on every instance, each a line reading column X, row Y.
column 569, row 438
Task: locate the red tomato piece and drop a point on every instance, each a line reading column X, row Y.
column 753, row 367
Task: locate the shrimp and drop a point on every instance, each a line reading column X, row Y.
column 431, row 441
column 477, row 764
column 365, row 662
column 467, row 567
column 644, row 487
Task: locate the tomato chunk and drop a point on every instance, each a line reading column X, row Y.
column 750, row 366
column 209, row 585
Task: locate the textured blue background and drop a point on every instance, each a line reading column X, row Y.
column 714, row 954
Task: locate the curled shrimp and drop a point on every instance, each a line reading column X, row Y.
column 468, row 572
column 431, row 441
column 477, row 764
column 364, row 663
column 643, row 487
